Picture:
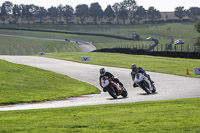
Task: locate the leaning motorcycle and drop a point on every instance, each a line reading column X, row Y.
column 144, row 83
column 113, row 88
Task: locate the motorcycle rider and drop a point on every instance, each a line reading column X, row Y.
column 136, row 69
column 110, row 76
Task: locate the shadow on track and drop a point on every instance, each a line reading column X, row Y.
column 147, row 94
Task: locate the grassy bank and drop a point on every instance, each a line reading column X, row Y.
column 97, row 41
column 176, row 29
column 25, row 46
column 21, row 84
column 184, row 31
column 164, row 116
column 176, row 66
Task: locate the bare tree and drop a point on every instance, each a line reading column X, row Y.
column 131, row 6
column 116, row 8
column 180, row 12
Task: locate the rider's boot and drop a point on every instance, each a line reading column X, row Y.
column 135, row 85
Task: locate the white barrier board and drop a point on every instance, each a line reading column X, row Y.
column 85, row 58
column 41, row 53
column 197, row 70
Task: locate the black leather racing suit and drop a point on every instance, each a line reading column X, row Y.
column 110, row 76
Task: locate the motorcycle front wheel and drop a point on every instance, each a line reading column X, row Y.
column 112, row 92
column 144, row 85
column 154, row 89
column 124, row 92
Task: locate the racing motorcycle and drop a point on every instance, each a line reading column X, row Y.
column 113, row 88
column 143, row 82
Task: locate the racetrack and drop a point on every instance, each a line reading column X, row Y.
column 168, row 86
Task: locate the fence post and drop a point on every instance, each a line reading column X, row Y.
column 175, row 47
column 157, row 48
column 181, row 47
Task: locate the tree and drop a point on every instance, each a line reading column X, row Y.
column 109, row 13
column 130, row 6
column 82, row 12
column 52, row 13
column 116, row 8
column 27, row 12
column 193, row 13
column 153, row 14
column 180, row 12
column 41, row 12
column 60, row 11
column 0, row 13
column 6, row 10
column 33, row 11
column 68, row 13
column 197, row 27
column 123, row 14
column 95, row 11
column 140, row 13
column 16, row 13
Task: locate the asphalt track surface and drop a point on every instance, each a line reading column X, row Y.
column 85, row 46
column 168, row 86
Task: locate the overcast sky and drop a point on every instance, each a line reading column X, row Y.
column 161, row 5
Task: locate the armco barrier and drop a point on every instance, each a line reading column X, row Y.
column 76, row 33
column 192, row 55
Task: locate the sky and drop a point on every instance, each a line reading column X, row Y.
column 161, row 5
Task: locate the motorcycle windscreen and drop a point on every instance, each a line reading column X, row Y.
column 104, row 83
column 138, row 78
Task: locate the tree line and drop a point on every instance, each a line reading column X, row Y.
column 127, row 10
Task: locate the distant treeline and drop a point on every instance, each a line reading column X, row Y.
column 125, row 12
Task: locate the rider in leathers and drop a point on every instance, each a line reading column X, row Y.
column 135, row 70
column 110, row 76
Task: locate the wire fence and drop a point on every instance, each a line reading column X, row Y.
column 165, row 47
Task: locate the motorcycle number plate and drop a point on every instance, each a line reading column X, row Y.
column 104, row 83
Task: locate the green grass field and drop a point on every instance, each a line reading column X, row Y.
column 176, row 66
column 98, row 42
column 25, row 46
column 178, row 31
column 21, row 84
column 174, row 116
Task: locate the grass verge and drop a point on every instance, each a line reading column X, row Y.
column 171, row 116
column 21, row 84
column 25, row 46
column 176, row 66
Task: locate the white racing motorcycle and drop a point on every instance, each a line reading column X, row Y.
column 144, row 83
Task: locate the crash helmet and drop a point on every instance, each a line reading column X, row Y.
column 102, row 71
column 133, row 67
